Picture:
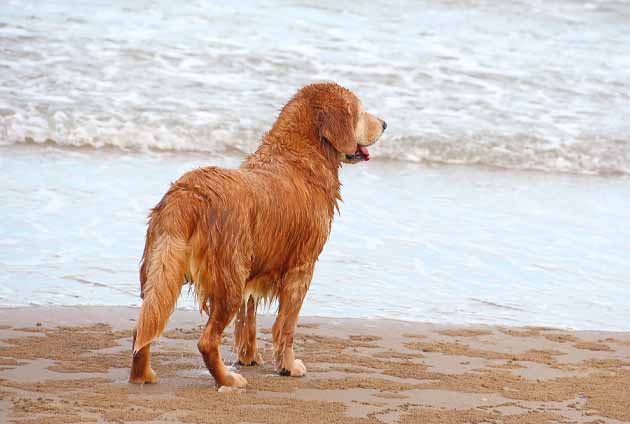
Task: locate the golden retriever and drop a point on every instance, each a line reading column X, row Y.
column 242, row 235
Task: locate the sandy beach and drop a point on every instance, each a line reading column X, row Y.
column 70, row 365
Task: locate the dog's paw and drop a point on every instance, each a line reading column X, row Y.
column 257, row 360
column 149, row 377
column 297, row 369
column 229, row 389
column 233, row 383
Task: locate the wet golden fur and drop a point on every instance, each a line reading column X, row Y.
column 241, row 235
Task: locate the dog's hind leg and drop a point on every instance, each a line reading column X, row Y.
column 245, row 334
column 165, row 277
column 222, row 311
column 141, row 371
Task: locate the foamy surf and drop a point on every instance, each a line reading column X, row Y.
column 102, row 107
column 521, row 85
column 588, row 157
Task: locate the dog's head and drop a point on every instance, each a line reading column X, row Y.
column 340, row 120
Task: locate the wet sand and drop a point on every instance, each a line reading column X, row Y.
column 70, row 365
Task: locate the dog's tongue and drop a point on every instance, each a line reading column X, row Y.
column 364, row 152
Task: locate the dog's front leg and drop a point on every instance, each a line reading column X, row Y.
column 295, row 284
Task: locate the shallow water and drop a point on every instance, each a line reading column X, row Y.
column 446, row 244
column 520, row 85
column 102, row 104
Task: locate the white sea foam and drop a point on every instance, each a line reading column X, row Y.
column 513, row 85
column 525, row 85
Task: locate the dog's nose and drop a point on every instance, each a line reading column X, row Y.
column 384, row 125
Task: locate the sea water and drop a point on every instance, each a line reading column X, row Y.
column 498, row 194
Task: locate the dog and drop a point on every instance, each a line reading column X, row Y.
column 239, row 236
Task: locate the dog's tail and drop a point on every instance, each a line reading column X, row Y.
column 163, row 272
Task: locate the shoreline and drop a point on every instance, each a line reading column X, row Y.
column 519, row 250
column 73, row 367
column 267, row 316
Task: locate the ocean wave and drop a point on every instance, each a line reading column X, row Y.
column 585, row 156
column 606, row 157
column 510, row 89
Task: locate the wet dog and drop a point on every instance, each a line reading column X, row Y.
column 252, row 233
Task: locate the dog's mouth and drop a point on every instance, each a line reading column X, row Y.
column 362, row 153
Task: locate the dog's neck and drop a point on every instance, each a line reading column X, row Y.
column 286, row 150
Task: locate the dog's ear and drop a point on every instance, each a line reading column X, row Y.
column 337, row 126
